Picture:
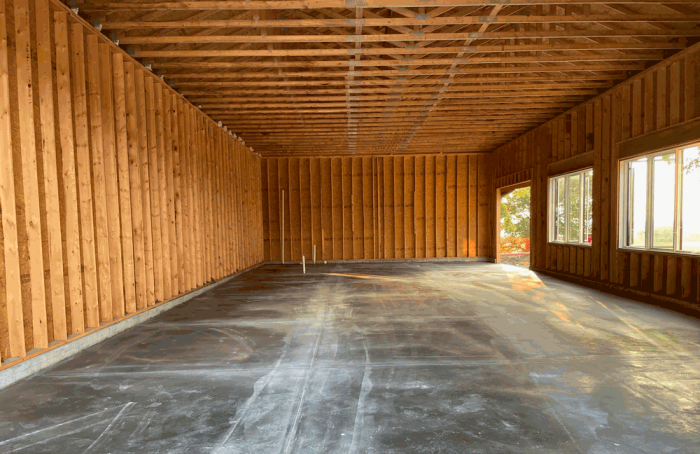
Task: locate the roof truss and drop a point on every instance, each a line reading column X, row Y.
column 338, row 77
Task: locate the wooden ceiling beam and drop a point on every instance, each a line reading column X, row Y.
column 345, row 78
column 377, row 144
column 300, row 100
column 410, row 62
column 418, row 36
column 336, row 147
column 379, row 117
column 387, row 103
column 386, row 141
column 395, row 82
column 202, row 94
column 204, row 77
column 365, row 151
column 395, row 96
column 558, row 47
column 493, row 108
column 395, row 22
column 387, row 135
column 225, row 5
column 446, row 133
column 258, row 140
column 397, row 127
column 283, row 127
column 284, row 122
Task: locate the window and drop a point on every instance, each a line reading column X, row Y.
column 658, row 193
column 571, row 208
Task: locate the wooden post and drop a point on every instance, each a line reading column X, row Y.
column 48, row 136
column 27, row 138
column 82, row 150
column 132, row 131
column 13, row 290
column 70, row 190
column 142, row 146
column 112, row 182
column 99, row 182
column 127, row 234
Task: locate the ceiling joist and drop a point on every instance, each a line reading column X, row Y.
column 344, row 77
column 222, row 5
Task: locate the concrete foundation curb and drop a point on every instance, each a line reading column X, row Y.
column 31, row 366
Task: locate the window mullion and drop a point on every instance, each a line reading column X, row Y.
column 678, row 197
column 553, row 207
column 550, row 216
column 659, row 167
column 567, row 181
column 626, row 198
column 582, row 204
column 648, row 240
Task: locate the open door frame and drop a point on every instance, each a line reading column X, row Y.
column 500, row 192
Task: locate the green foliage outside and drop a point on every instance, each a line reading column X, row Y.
column 663, row 237
column 515, row 214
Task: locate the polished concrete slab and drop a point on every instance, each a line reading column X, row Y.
column 376, row 358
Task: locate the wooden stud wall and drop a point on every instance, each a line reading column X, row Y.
column 388, row 207
column 116, row 194
column 667, row 94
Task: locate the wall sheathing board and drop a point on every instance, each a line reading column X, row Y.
column 116, row 193
column 440, row 206
column 316, row 206
column 305, row 196
column 368, row 208
column 357, row 209
column 451, row 205
column 641, row 109
column 267, row 219
column 381, row 239
column 462, row 166
column 398, row 191
column 389, row 216
column 337, row 207
column 283, row 182
column 326, row 214
column 346, row 195
column 409, row 190
column 294, row 210
column 430, row 207
column 365, row 208
column 472, row 217
column 419, row 207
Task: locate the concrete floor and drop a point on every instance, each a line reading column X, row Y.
column 522, row 260
column 376, row 358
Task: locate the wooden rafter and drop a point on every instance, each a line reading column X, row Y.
column 393, row 76
column 313, row 4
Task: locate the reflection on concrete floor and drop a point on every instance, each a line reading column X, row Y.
column 376, row 358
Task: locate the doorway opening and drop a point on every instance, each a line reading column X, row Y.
column 514, row 225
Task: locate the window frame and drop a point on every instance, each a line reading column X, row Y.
column 552, row 207
column 623, row 219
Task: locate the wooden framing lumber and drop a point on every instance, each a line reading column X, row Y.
column 90, row 141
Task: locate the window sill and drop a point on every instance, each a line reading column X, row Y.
column 561, row 243
column 695, row 255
